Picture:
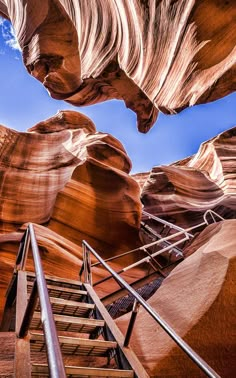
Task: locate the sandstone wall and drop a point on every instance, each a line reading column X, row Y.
column 198, row 300
column 181, row 192
column 65, row 174
column 155, row 55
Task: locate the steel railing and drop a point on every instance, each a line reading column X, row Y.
column 166, row 223
column 181, row 232
column 213, row 215
column 39, row 290
column 86, row 268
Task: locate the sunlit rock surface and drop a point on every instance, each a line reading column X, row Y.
column 141, row 178
column 198, row 301
column 67, row 177
column 183, row 191
column 154, row 55
column 64, row 174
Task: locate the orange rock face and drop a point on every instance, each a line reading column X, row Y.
column 64, row 174
column 73, row 180
column 197, row 299
column 183, row 191
column 154, row 55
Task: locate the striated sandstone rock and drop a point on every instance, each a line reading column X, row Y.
column 64, row 171
column 73, row 180
column 141, row 178
column 198, row 300
column 163, row 54
column 183, row 191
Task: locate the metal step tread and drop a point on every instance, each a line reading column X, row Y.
column 75, row 371
column 70, row 308
column 63, row 292
column 69, row 323
column 57, row 280
column 74, row 345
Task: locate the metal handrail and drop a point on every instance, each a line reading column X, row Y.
column 179, row 341
column 55, row 361
column 181, row 231
column 166, row 223
column 172, row 236
column 156, row 242
column 146, row 259
column 144, row 247
column 212, row 213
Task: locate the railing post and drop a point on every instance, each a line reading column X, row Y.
column 213, row 218
column 22, row 348
column 87, row 265
column 179, row 341
column 131, row 322
column 25, row 250
column 29, row 311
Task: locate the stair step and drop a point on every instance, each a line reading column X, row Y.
column 70, row 308
column 74, row 371
column 57, row 280
column 63, row 292
column 69, row 323
column 75, row 345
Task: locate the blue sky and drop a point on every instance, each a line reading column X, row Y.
column 24, row 102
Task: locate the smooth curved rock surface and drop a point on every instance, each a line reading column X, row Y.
column 197, row 300
column 183, row 191
column 155, row 55
column 141, row 178
column 64, row 174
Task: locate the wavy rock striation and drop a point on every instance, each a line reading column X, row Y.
column 183, row 191
column 197, row 299
column 65, row 177
column 64, row 174
column 155, row 55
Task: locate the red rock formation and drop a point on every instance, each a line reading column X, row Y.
column 183, row 191
column 154, row 55
column 66, row 176
column 141, row 178
column 64, row 159
column 198, row 301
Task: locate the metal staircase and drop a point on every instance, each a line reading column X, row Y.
column 160, row 253
column 64, row 330
column 59, row 321
column 139, row 301
column 82, row 332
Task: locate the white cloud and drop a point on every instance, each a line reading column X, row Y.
column 8, row 34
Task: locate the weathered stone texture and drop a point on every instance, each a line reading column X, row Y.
column 181, row 192
column 73, row 180
column 198, row 301
column 155, row 55
column 64, row 174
